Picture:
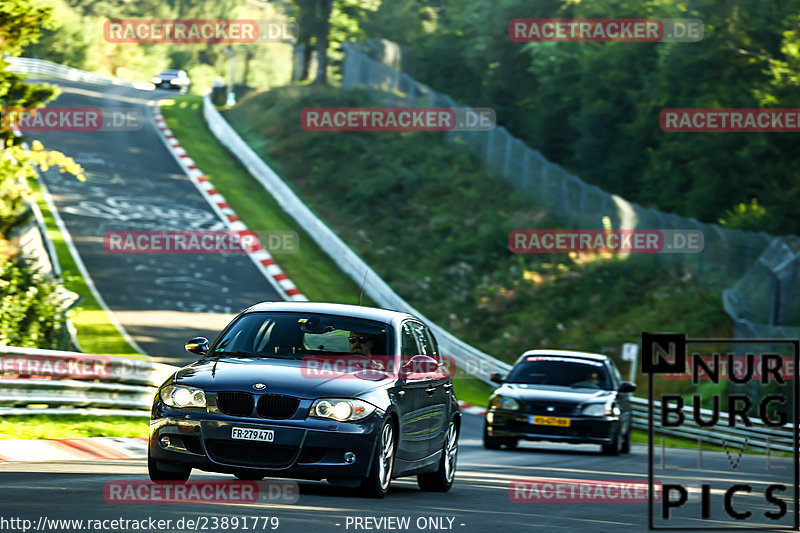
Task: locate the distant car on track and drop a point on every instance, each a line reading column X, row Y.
column 352, row 394
column 563, row 396
column 172, row 79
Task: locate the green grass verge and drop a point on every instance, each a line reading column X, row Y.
column 473, row 391
column 72, row 426
column 641, row 437
column 96, row 333
column 314, row 273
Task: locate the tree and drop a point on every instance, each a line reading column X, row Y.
column 20, row 25
column 323, row 23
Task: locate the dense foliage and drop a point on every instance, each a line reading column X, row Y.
column 594, row 107
column 74, row 37
column 30, row 314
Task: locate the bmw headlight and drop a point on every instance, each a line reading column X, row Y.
column 343, row 410
column 601, row 409
column 183, row 396
column 504, row 402
column 155, row 79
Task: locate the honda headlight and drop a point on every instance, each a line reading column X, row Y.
column 343, row 410
column 183, row 396
column 504, row 402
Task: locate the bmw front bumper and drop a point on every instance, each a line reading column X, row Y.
column 306, row 449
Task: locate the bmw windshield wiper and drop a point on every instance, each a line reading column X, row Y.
column 234, row 353
column 280, row 355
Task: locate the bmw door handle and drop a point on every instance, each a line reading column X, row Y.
column 448, row 387
column 430, row 390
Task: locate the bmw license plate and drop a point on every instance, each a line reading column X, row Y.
column 549, row 421
column 265, row 435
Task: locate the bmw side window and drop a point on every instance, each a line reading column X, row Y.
column 408, row 343
column 432, row 343
column 427, row 341
column 422, row 339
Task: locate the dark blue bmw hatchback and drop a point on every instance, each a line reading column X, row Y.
column 352, row 394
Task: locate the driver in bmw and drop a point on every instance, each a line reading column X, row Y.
column 364, row 344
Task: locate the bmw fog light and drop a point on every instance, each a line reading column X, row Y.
column 164, row 441
column 349, row 457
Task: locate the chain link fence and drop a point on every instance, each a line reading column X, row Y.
column 763, row 303
column 727, row 254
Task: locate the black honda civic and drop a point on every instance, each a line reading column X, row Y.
column 563, row 396
column 351, row 394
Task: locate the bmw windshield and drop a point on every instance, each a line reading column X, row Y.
column 283, row 334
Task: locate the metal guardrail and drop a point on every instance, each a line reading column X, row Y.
column 26, row 65
column 758, row 436
column 60, row 382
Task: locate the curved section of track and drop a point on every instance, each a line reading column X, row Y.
column 134, row 183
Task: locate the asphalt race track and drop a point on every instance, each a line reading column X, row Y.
column 479, row 500
column 161, row 300
column 134, row 183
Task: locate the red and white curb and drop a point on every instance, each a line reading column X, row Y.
column 86, row 449
column 260, row 256
column 471, row 409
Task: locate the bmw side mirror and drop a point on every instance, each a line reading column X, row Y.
column 627, row 386
column 497, row 378
column 197, row 346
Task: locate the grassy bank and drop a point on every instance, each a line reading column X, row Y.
column 72, row 426
column 432, row 221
